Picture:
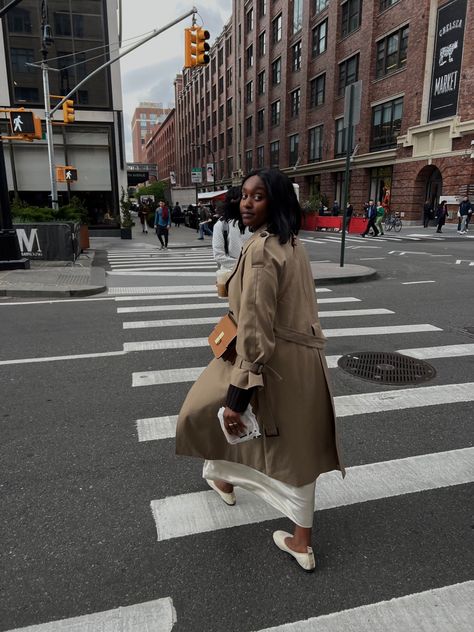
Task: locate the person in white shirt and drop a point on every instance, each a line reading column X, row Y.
column 228, row 237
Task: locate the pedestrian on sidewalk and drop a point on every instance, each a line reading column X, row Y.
column 427, row 213
column 177, row 215
column 205, row 220
column 349, row 213
column 162, row 224
column 142, row 216
column 380, row 213
column 465, row 210
column 441, row 214
column 371, row 215
column 278, row 368
column 229, row 235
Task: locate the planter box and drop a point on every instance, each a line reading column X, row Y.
column 125, row 233
column 358, row 225
column 84, row 237
column 309, row 222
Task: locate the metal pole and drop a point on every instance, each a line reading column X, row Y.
column 347, row 172
column 49, row 136
column 12, row 4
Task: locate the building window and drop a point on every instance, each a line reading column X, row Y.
column 228, row 77
column 228, row 46
column 340, row 139
column 350, row 17
column 221, row 85
column 262, row 44
column 319, row 41
column 249, row 92
column 276, row 71
column 261, row 82
column 19, row 21
column 293, row 149
column 297, row 15
column 221, row 140
column 221, row 113
column 220, row 56
column 248, row 161
column 229, row 107
column 386, row 124
column 260, row 120
column 230, row 136
column 249, row 21
column 315, row 144
column 296, row 57
column 248, row 126
column 230, row 166
column 249, row 56
column 385, row 4
column 392, row 52
column 214, row 118
column 262, row 8
column 319, row 5
column 260, row 157
column 295, row 102
column 380, row 182
column 276, row 29
column 317, row 89
column 348, row 73
column 275, row 112
column 208, row 123
column 213, row 92
column 20, row 57
column 275, row 154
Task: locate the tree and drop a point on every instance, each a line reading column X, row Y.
column 126, row 220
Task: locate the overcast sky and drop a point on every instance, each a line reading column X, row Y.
column 148, row 72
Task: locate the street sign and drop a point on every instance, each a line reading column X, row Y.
column 196, row 175
column 22, row 122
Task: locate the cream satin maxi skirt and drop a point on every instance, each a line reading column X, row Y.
column 296, row 503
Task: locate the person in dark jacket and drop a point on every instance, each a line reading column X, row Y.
column 464, row 214
column 427, row 213
column 441, row 215
column 349, row 213
column 335, row 209
column 372, row 216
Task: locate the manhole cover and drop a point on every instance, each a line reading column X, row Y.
column 386, row 368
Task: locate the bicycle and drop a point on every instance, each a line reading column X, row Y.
column 393, row 221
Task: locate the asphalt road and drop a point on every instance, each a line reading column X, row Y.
column 77, row 476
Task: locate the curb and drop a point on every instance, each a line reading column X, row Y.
column 85, row 291
column 356, row 278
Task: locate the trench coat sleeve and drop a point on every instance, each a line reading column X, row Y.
column 255, row 336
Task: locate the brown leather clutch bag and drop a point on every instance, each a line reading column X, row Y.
column 223, row 336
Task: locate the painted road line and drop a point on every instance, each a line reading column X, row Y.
column 416, row 282
column 191, row 273
column 167, row 376
column 201, row 512
column 154, row 297
column 164, row 345
column 371, row 258
column 170, row 289
column 151, row 615
column 59, row 300
column 156, row 428
column 81, row 356
column 450, row 608
column 186, row 322
column 445, row 351
column 166, row 268
column 168, row 308
column 340, row 299
column 379, row 331
column 172, row 322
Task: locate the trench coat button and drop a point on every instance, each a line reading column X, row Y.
column 264, row 234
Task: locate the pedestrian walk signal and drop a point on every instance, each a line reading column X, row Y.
column 68, row 111
column 196, row 46
column 66, row 174
column 25, row 123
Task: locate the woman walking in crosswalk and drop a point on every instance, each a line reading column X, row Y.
column 279, row 370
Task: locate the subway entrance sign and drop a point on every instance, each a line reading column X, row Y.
column 136, row 177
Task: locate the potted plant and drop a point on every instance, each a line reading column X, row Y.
column 126, row 221
column 310, row 207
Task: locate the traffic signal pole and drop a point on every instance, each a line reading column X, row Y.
column 49, row 136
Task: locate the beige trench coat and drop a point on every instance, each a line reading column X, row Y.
column 279, row 350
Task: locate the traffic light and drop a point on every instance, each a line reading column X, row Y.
column 196, row 46
column 25, row 123
column 68, row 111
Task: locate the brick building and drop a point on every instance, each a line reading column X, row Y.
column 144, row 119
column 160, row 147
column 273, row 94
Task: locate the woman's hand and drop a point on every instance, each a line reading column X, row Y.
column 233, row 422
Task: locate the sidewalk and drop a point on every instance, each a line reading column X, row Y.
column 54, row 279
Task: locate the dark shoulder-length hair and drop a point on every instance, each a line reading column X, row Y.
column 284, row 209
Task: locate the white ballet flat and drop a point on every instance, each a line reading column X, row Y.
column 305, row 560
column 227, row 497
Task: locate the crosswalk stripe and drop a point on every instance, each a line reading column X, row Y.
column 163, row 308
column 450, row 608
column 166, row 376
column 163, row 345
column 157, row 272
column 379, row 331
column 156, row 428
column 201, row 512
column 173, row 322
column 164, row 268
column 445, row 351
column 153, row 297
column 151, row 615
column 171, row 289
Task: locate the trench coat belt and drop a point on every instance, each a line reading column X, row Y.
column 315, row 340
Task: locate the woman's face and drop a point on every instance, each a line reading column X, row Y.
column 254, row 203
